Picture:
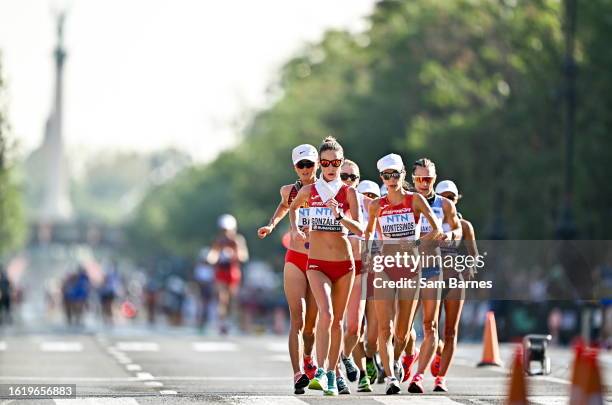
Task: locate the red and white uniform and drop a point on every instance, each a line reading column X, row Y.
column 399, row 222
column 321, row 217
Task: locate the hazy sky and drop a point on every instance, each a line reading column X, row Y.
column 145, row 74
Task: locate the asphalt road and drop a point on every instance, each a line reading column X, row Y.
column 157, row 367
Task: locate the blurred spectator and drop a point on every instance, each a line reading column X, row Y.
column 75, row 290
column 174, row 298
column 151, row 298
column 6, row 292
column 204, row 275
column 109, row 291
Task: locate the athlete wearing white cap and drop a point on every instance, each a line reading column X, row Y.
column 302, row 305
column 226, row 254
column 452, row 300
column 397, row 217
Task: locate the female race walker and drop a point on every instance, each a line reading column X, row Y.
column 398, row 215
column 226, row 254
column 332, row 206
column 424, row 177
column 452, row 299
column 302, row 306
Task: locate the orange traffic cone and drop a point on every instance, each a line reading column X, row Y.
column 579, row 375
column 518, row 387
column 593, row 387
column 490, row 350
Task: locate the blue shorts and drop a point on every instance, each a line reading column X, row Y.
column 429, row 272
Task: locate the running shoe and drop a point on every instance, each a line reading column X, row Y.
column 332, row 389
column 371, row 370
column 398, row 370
column 416, row 385
column 440, row 384
column 309, row 367
column 392, row 387
column 351, row 368
column 343, row 388
column 300, row 381
column 435, row 365
column 364, row 384
column 407, row 363
column 316, row 382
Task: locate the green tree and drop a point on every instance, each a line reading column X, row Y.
column 12, row 227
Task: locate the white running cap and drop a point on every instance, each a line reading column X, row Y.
column 390, row 161
column 368, row 186
column 227, row 222
column 305, row 151
column 447, row 186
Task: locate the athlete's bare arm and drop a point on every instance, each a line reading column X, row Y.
column 300, row 198
column 420, row 205
column 352, row 224
column 452, row 219
column 242, row 250
column 373, row 209
column 281, row 210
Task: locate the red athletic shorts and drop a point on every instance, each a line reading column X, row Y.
column 333, row 270
column 358, row 266
column 297, row 258
column 230, row 275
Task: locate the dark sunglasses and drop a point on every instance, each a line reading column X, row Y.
column 392, row 175
column 304, row 164
column 335, row 162
column 346, row 176
column 371, row 195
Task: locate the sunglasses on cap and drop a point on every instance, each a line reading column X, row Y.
column 304, row 164
column 335, row 162
column 423, row 179
column 390, row 175
column 346, row 176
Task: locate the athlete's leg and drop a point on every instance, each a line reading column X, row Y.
column 430, row 329
column 310, row 321
column 341, row 290
column 453, row 305
column 296, row 287
column 384, row 315
column 407, row 305
column 354, row 317
column 321, row 287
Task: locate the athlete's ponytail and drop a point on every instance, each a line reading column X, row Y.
column 330, row 143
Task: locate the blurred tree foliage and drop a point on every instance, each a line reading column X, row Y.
column 12, row 224
column 476, row 85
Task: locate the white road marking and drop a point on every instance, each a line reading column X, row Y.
column 413, row 399
column 144, row 376
column 133, row 367
column 167, row 392
column 97, row 401
column 2, row 346
column 137, row 346
column 153, row 384
column 215, row 347
column 265, row 400
column 549, row 400
column 61, row 347
column 68, row 379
